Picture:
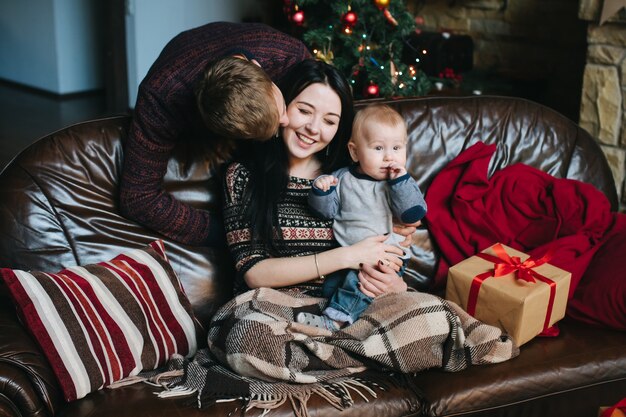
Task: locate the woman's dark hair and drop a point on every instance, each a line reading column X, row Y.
column 268, row 162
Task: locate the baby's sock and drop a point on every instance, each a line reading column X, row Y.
column 322, row 322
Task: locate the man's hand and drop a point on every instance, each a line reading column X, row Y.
column 325, row 182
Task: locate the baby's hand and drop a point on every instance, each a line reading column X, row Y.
column 325, row 182
column 396, row 170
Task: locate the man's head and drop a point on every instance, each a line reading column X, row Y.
column 378, row 141
column 237, row 99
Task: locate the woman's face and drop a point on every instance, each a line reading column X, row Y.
column 313, row 121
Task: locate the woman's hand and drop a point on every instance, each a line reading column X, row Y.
column 407, row 231
column 380, row 280
column 371, row 250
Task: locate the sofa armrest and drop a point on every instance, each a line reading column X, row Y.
column 28, row 386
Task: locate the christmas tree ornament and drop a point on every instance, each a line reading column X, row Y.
column 372, row 90
column 298, row 17
column 390, row 17
column 381, row 4
column 393, row 72
column 325, row 54
column 349, row 19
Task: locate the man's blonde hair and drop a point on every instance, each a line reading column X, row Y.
column 236, row 100
column 378, row 113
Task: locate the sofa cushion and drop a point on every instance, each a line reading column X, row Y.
column 100, row 323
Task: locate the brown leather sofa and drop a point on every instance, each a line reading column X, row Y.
column 58, row 207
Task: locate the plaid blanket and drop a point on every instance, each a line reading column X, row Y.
column 266, row 358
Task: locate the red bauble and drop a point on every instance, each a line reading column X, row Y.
column 349, row 19
column 372, row 90
column 298, row 17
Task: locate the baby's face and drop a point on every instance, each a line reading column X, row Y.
column 378, row 148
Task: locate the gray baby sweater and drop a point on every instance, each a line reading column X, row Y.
column 362, row 206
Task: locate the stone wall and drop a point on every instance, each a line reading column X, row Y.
column 557, row 47
column 603, row 102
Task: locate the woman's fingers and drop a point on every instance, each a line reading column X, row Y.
column 380, row 280
column 372, row 249
column 379, row 238
column 365, row 286
column 386, row 272
column 369, row 282
column 392, row 262
column 395, row 263
column 394, row 250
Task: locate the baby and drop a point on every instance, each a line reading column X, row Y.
column 363, row 200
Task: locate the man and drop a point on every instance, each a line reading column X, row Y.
column 212, row 84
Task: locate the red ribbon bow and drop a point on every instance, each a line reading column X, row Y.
column 504, row 265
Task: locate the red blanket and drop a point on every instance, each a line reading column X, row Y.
column 528, row 210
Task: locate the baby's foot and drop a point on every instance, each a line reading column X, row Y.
column 322, row 322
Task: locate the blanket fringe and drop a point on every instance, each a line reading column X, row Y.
column 165, row 378
column 356, row 386
column 266, row 404
column 299, row 405
column 330, row 397
column 340, row 394
column 130, row 380
column 162, row 379
column 337, row 394
column 176, row 392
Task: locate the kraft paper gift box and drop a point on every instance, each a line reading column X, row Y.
column 522, row 309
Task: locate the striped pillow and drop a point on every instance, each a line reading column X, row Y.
column 100, row 323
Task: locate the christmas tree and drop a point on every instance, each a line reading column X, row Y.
column 364, row 39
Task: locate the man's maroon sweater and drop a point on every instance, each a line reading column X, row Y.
column 166, row 114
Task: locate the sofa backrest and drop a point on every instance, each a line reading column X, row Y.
column 59, row 197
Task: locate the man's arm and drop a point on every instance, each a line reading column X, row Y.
column 151, row 140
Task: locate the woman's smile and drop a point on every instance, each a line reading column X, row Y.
column 305, row 139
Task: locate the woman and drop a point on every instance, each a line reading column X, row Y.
column 275, row 239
